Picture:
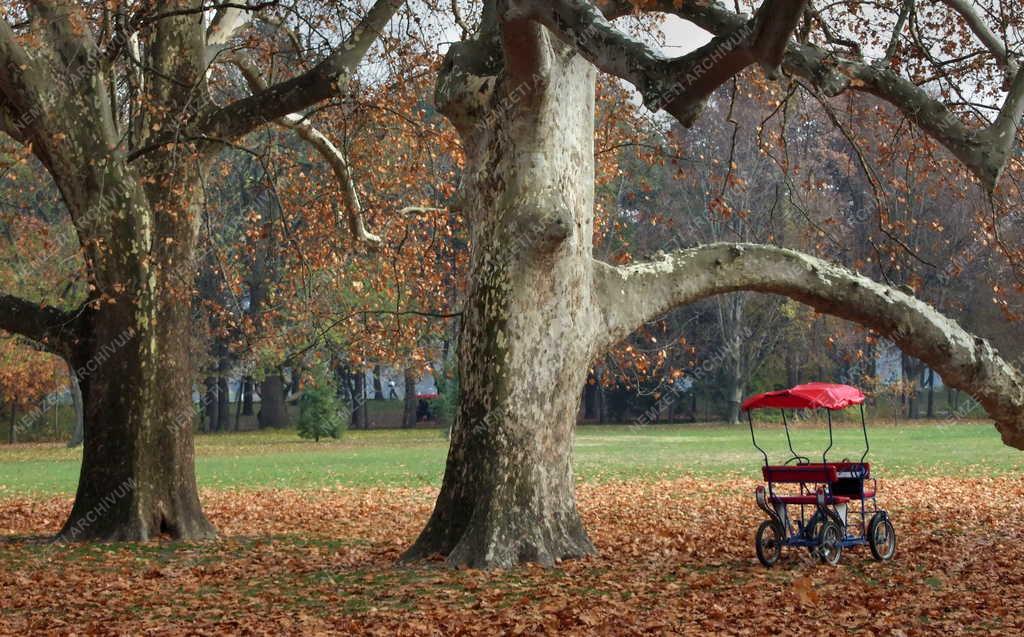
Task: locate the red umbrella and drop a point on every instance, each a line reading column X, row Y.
column 807, row 396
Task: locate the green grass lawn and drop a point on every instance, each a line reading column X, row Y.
column 416, row 457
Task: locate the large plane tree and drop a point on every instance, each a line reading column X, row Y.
column 117, row 102
column 540, row 308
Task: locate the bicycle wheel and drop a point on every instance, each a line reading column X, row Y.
column 768, row 543
column 881, row 537
column 830, row 543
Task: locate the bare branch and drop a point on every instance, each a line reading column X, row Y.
column 144, row 19
column 981, row 30
column 460, row 21
column 831, row 37
column 901, row 21
column 299, row 93
column 331, row 153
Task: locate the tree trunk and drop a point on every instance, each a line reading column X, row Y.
column 734, row 397
column 12, row 434
column 223, row 405
column 133, row 186
column 273, row 411
column 912, row 375
column 410, row 402
column 508, row 494
column 590, row 399
column 133, row 363
column 78, row 433
column 360, row 417
column 378, row 389
column 792, row 368
column 931, row 393
column 211, row 412
column 730, row 324
column 247, row 396
column 238, row 406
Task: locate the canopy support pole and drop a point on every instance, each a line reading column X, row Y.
column 788, row 440
column 824, row 460
column 750, row 421
column 864, row 428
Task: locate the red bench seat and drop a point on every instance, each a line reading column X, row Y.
column 808, row 499
column 796, row 474
column 844, row 467
column 821, row 474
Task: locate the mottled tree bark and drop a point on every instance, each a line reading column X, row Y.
column 134, row 366
column 508, row 491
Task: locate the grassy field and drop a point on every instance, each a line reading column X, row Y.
column 416, row 457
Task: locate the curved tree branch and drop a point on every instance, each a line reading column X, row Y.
column 633, row 294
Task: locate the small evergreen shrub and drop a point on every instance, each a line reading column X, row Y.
column 320, row 413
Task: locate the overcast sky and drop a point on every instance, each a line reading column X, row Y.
column 681, row 36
